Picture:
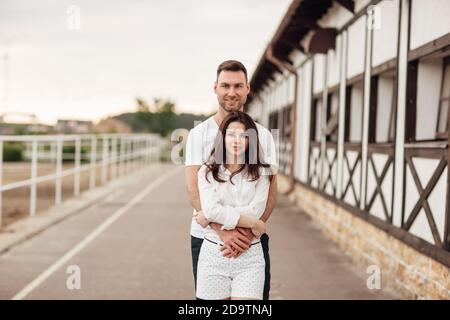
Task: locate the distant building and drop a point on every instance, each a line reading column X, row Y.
column 74, row 126
column 112, row 125
column 18, row 123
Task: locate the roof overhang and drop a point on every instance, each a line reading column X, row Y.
column 301, row 19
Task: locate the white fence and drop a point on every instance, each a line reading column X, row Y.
column 114, row 154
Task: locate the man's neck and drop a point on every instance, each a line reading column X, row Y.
column 221, row 114
column 218, row 118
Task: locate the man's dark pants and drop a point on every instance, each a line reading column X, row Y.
column 196, row 244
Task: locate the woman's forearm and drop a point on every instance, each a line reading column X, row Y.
column 246, row 221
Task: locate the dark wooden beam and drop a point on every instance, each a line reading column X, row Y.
column 289, row 61
column 274, row 68
column 322, row 41
column 268, row 75
column 373, row 109
column 292, row 45
column 305, row 20
column 347, row 4
column 411, row 102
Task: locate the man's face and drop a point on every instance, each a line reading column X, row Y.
column 231, row 89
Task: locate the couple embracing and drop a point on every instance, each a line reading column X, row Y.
column 231, row 182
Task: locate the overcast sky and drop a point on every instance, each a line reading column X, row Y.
column 123, row 49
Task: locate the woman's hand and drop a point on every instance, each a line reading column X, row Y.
column 259, row 228
column 201, row 220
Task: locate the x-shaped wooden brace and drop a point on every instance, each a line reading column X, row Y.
column 422, row 202
column 314, row 171
column 350, row 179
column 378, row 190
column 330, row 170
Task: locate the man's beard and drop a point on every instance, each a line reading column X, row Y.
column 227, row 109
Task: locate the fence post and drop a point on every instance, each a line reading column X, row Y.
column 131, row 153
column 59, row 156
column 122, row 155
column 152, row 150
column 105, row 160
column 93, row 162
column 52, row 153
column 34, row 159
column 147, row 151
column 128, row 157
column 76, row 186
column 113, row 157
column 1, row 181
column 141, row 152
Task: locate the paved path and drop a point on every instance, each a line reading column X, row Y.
column 135, row 244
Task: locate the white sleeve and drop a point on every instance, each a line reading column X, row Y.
column 270, row 150
column 194, row 149
column 213, row 210
column 258, row 204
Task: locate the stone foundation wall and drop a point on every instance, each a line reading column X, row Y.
column 403, row 269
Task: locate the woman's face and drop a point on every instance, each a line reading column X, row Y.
column 236, row 139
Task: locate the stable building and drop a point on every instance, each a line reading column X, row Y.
column 358, row 93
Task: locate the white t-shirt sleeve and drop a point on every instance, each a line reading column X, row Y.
column 270, row 149
column 271, row 158
column 194, row 149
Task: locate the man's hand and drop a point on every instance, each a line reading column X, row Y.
column 235, row 242
column 259, row 228
column 201, row 219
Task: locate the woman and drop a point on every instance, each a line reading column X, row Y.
column 234, row 186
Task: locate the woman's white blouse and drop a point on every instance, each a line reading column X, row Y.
column 223, row 202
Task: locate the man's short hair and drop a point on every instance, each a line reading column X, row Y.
column 231, row 65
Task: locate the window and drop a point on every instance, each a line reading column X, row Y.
column 315, row 120
column 354, row 112
column 382, row 108
column 442, row 123
column 428, row 97
column 273, row 120
column 331, row 131
column 286, row 113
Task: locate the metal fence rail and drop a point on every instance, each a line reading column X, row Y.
column 115, row 155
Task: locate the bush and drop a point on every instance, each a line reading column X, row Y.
column 71, row 150
column 12, row 152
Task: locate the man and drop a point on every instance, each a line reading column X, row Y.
column 231, row 88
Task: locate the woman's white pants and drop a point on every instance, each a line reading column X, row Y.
column 219, row 277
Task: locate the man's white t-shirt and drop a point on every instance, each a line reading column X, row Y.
column 199, row 145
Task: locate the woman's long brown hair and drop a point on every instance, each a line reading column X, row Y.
column 254, row 157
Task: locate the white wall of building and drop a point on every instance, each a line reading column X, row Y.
column 385, row 96
column 430, row 20
column 356, row 41
column 428, row 91
column 385, row 38
column 334, row 58
column 319, row 68
column 303, row 121
column 356, row 113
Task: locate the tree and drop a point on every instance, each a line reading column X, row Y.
column 158, row 117
column 142, row 105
